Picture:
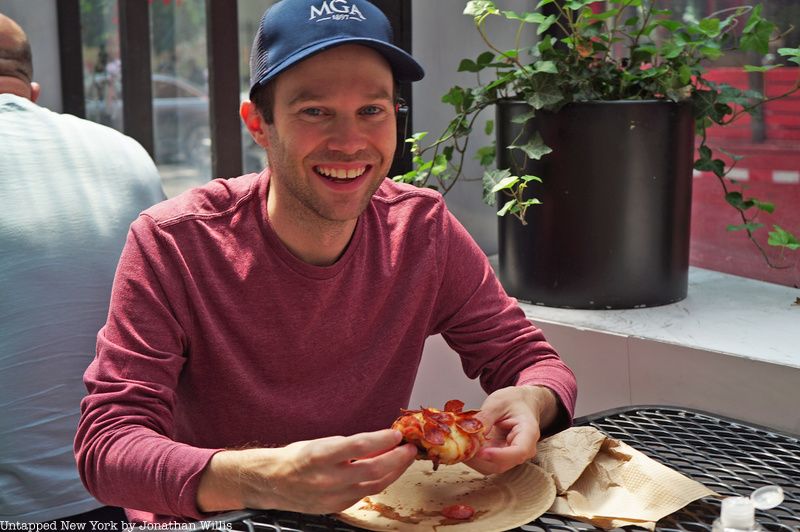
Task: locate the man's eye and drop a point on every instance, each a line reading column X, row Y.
column 372, row 110
column 312, row 111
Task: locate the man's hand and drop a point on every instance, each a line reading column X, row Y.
column 514, row 417
column 317, row 476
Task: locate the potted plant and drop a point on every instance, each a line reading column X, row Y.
column 596, row 125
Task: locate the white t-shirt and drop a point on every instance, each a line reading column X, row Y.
column 69, row 189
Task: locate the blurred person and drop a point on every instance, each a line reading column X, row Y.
column 70, row 189
column 264, row 331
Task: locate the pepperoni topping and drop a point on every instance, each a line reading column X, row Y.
column 458, row 511
column 470, row 425
column 434, row 434
column 453, row 405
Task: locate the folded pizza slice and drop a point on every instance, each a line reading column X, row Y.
column 446, row 436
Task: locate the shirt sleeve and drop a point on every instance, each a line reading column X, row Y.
column 123, row 447
column 489, row 330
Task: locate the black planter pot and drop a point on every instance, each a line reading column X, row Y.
column 613, row 228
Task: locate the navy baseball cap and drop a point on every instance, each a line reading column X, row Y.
column 294, row 30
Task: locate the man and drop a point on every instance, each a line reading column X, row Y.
column 69, row 189
column 266, row 330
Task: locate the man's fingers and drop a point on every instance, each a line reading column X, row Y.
column 362, row 445
column 370, row 487
column 492, row 460
column 393, row 462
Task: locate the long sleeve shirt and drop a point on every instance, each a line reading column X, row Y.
column 218, row 337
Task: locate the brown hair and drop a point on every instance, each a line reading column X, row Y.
column 264, row 99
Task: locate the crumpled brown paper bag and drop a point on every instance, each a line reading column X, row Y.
column 607, row 483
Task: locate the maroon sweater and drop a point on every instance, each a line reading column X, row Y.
column 218, row 337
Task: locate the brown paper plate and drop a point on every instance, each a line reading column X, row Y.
column 415, row 500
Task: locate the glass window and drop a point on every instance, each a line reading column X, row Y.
column 180, row 87
column 769, row 144
column 180, row 93
column 102, row 68
column 250, row 12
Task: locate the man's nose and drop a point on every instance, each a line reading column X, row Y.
column 347, row 136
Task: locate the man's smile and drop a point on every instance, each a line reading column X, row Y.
column 335, row 173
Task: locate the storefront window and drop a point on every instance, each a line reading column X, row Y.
column 181, row 130
column 769, row 144
column 250, row 12
column 102, row 67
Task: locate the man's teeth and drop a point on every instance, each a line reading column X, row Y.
column 341, row 173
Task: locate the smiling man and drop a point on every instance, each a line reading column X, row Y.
column 265, row 331
column 329, row 147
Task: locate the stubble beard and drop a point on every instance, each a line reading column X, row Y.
column 301, row 198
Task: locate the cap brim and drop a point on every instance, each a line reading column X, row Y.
column 404, row 66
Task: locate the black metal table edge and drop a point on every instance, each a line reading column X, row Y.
column 277, row 521
column 590, row 418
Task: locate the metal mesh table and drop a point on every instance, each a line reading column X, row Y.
column 731, row 457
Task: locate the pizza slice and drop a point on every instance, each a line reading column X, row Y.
column 446, row 436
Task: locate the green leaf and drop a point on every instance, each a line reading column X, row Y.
column 535, row 148
column 489, row 127
column 685, row 74
column 468, row 65
column 545, row 66
column 753, row 68
column 454, row 97
column 755, row 18
column 782, row 238
column 575, row 5
column 490, row 179
column 508, row 207
column 736, row 200
column 750, row 226
column 527, row 17
column 710, row 27
column 439, row 164
column 756, row 33
column 481, row 8
column 764, row 206
column 711, row 51
column 546, row 24
column 507, row 182
column 793, row 54
column 485, row 155
column 544, row 91
column 485, row 59
column 524, row 117
column 632, row 21
column 604, row 15
column 529, row 178
column 732, row 155
column 416, row 137
column 670, row 25
column 671, row 49
column 716, row 166
column 529, row 202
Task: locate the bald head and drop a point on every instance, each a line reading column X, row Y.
column 16, row 65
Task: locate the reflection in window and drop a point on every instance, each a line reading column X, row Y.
column 180, row 84
column 250, row 12
column 180, row 93
column 102, row 70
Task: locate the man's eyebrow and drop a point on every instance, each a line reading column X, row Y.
column 311, row 95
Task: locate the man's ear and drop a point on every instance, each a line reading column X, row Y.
column 35, row 90
column 254, row 122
